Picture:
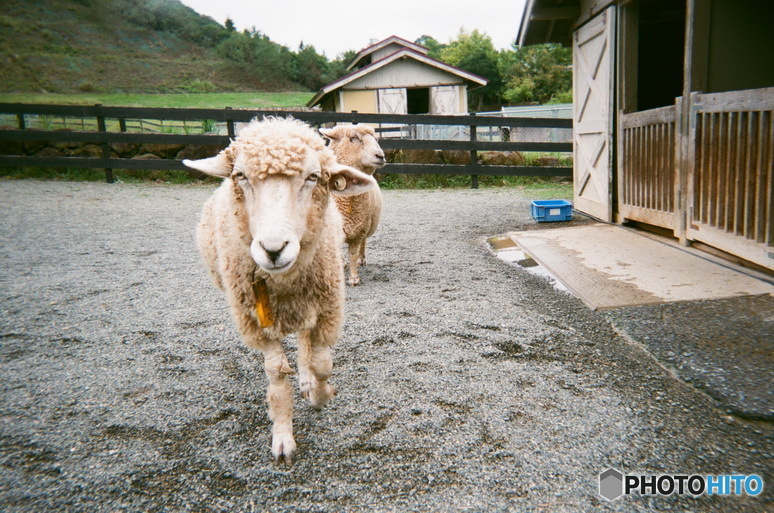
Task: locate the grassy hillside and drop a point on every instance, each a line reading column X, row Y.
column 116, row 46
column 254, row 100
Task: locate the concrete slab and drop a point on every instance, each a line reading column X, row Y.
column 608, row 266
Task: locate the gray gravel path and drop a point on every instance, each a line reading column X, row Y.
column 465, row 384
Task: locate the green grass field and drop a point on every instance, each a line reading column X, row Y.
column 539, row 187
column 257, row 100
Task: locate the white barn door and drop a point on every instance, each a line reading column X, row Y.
column 393, row 101
column 593, row 115
column 444, row 100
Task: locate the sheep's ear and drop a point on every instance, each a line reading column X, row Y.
column 348, row 181
column 332, row 133
column 215, row 166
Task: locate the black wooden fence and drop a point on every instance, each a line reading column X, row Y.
column 109, row 132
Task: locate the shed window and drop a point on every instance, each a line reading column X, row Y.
column 418, row 100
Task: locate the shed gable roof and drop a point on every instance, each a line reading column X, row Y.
column 471, row 79
column 365, row 52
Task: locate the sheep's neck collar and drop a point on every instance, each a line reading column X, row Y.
column 263, row 309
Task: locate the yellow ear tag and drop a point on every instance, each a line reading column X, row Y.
column 262, row 305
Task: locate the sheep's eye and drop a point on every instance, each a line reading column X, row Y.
column 239, row 176
column 354, row 139
column 313, row 177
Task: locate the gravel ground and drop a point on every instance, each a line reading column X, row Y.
column 724, row 347
column 465, row 384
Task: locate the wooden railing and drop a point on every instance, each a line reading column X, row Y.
column 731, row 193
column 112, row 129
column 648, row 166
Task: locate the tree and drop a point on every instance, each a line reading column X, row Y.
column 310, row 69
column 338, row 68
column 475, row 53
column 433, row 46
column 255, row 53
column 538, row 73
column 230, row 25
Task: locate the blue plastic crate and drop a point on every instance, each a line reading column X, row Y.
column 551, row 210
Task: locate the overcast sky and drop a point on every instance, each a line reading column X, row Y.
column 335, row 26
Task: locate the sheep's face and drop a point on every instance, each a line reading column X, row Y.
column 371, row 154
column 283, row 210
column 284, row 206
column 356, row 146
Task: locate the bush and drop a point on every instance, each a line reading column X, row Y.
column 200, row 86
column 208, row 126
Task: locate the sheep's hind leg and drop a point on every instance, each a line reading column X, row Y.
column 354, row 257
column 315, row 365
column 280, row 399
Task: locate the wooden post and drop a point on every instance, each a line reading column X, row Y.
column 473, row 154
column 686, row 156
column 20, row 120
column 229, row 124
column 105, row 148
column 122, row 124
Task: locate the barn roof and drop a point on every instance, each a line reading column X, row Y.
column 365, row 52
column 548, row 21
column 471, row 79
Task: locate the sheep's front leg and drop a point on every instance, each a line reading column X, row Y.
column 354, row 257
column 315, row 365
column 362, row 259
column 280, row 399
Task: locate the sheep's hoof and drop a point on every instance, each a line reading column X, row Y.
column 320, row 396
column 283, row 448
column 353, row 282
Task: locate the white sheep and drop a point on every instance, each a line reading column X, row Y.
column 356, row 146
column 271, row 239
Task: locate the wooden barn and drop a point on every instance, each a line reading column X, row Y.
column 673, row 123
column 395, row 76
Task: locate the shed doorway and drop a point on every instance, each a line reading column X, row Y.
column 418, row 100
column 660, row 52
column 651, row 64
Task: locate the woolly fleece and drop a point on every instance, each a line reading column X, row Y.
column 308, row 299
column 361, row 213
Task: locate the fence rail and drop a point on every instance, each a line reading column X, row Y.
column 112, row 129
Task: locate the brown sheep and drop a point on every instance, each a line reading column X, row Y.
column 356, row 146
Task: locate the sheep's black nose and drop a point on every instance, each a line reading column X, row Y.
column 273, row 251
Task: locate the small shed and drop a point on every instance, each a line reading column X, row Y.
column 395, row 76
column 673, row 114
